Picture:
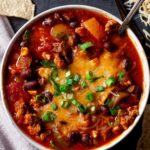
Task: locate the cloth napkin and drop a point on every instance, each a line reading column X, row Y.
column 10, row 139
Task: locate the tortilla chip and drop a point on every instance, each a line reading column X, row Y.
column 17, row 8
column 144, row 141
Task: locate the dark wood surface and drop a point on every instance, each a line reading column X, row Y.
column 130, row 142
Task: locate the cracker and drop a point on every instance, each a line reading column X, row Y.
column 17, row 8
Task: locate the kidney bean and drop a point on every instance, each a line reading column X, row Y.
column 48, row 22
column 26, row 73
column 86, row 139
column 30, row 85
column 74, row 137
column 48, row 95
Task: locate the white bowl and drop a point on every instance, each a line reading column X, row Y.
column 140, row 51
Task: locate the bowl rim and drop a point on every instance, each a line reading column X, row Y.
column 134, row 39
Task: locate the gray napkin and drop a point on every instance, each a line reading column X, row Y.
column 10, row 139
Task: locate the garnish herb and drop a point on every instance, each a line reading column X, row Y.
column 69, row 82
column 121, row 75
column 108, row 103
column 26, row 35
column 100, row 89
column 52, row 144
column 41, row 98
column 110, row 81
column 90, row 76
column 75, row 102
column 76, row 78
column 85, row 45
column 82, row 108
column 48, row 64
column 54, row 73
column 54, row 107
column 92, row 109
column 65, row 104
column 90, row 96
column 83, row 84
column 48, row 116
column 114, row 111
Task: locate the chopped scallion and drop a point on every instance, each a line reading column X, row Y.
column 85, row 45
column 100, row 89
column 90, row 96
column 54, row 107
column 110, row 81
column 121, row 75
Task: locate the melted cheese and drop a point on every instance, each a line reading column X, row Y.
column 108, row 64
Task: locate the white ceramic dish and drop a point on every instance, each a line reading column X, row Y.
column 136, row 43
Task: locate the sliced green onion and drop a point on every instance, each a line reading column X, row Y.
column 26, row 35
column 75, row 102
column 114, row 111
column 100, row 89
column 85, row 45
column 108, row 103
column 92, row 109
column 54, row 73
column 69, row 81
column 48, row 116
column 63, row 88
column 89, row 76
column 83, row 84
column 52, row 144
column 65, row 104
column 110, row 81
column 48, row 64
column 70, row 96
column 68, row 74
column 76, row 78
column 54, row 107
column 82, row 108
column 41, row 98
column 90, row 96
column 121, row 75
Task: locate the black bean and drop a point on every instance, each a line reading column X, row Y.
column 86, row 139
column 127, row 64
column 48, row 22
column 26, row 73
column 31, row 85
column 73, row 24
column 104, row 110
column 24, row 43
column 74, row 137
column 76, row 38
column 48, row 95
column 110, row 46
column 35, row 63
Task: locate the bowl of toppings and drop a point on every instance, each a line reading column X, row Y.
column 68, row 79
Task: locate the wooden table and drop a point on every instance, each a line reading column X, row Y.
column 130, row 142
